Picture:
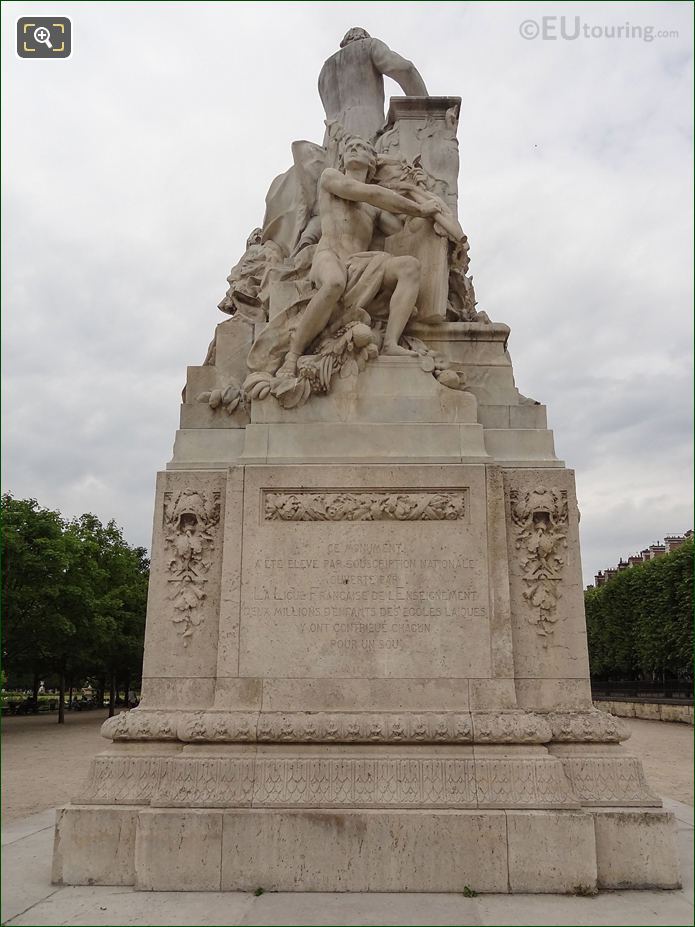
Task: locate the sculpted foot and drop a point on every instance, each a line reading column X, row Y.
column 395, row 350
column 289, row 367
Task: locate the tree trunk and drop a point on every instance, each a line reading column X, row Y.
column 61, row 699
column 35, row 688
column 112, row 696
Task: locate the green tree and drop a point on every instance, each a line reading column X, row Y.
column 34, row 562
column 75, row 597
column 639, row 624
column 119, row 584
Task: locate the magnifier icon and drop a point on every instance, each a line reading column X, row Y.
column 43, row 36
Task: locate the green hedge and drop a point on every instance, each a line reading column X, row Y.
column 639, row 623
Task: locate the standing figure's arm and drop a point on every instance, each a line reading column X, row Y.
column 399, row 69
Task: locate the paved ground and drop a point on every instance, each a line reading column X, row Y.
column 43, row 764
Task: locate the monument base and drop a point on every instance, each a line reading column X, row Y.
column 336, row 850
column 369, row 676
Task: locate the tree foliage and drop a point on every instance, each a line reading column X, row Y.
column 74, row 595
column 639, row 623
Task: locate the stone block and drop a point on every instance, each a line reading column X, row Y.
column 233, row 338
column 364, row 851
column 551, row 851
column 362, row 694
column 363, row 442
column 674, row 712
column 237, row 693
column 390, row 389
column 178, row 851
column 620, row 709
column 518, row 445
column 492, row 385
column 636, row 849
column 189, row 692
column 200, row 415
column 206, row 448
column 492, row 693
column 553, row 694
column 648, row 711
column 528, row 415
column 365, row 593
column 94, row 846
column 493, row 416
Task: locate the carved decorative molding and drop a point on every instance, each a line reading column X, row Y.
column 129, row 780
column 606, row 780
column 366, row 782
column 142, row 725
column 191, row 518
column 204, row 782
column 485, row 727
column 365, row 505
column 540, row 518
column 329, row 781
column 333, row 727
column 510, row 727
column 592, row 726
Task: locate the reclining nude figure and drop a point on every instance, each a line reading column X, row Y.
column 350, row 207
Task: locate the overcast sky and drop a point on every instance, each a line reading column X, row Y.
column 135, row 169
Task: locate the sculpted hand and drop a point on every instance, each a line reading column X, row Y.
column 430, row 210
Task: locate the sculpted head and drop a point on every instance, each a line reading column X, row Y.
column 352, row 35
column 255, row 238
column 356, row 152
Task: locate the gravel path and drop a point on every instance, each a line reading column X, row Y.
column 44, row 763
column 666, row 750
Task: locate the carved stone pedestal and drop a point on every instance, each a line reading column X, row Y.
column 350, row 819
column 336, row 850
column 366, row 678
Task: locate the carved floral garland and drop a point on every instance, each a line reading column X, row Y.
column 190, row 520
column 364, row 506
column 540, row 518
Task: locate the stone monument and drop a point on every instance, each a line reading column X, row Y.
column 365, row 661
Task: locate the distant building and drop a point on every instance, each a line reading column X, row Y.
column 671, row 542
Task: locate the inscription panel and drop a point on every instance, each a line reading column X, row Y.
column 387, row 579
